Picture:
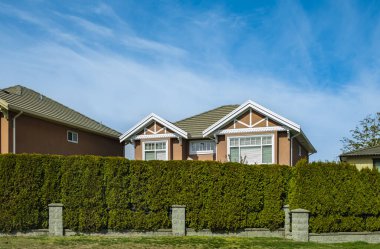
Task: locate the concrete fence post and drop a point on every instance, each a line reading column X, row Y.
column 287, row 222
column 179, row 220
column 55, row 219
column 300, row 225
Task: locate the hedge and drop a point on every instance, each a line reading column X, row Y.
column 340, row 198
column 115, row 193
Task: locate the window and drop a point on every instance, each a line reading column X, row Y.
column 299, row 150
column 251, row 150
column 202, row 147
column 155, row 150
column 72, row 136
column 376, row 164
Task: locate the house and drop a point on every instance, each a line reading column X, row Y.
column 248, row 133
column 363, row 158
column 33, row 123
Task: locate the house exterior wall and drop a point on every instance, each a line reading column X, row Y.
column 360, row 162
column 5, row 131
column 295, row 153
column 283, row 149
column 177, row 149
column 34, row 135
column 221, row 149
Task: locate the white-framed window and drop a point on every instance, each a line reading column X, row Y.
column 258, row 149
column 155, row 150
column 72, row 136
column 202, row 147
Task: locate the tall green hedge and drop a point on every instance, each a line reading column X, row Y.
column 115, row 193
column 339, row 197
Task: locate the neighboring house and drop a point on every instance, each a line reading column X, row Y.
column 33, row 123
column 248, row 133
column 363, row 158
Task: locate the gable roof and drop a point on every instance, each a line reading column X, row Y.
column 196, row 124
column 20, row 98
column 256, row 107
column 146, row 121
column 372, row 151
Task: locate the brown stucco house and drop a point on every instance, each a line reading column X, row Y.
column 33, row 123
column 248, row 133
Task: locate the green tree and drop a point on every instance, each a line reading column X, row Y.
column 365, row 135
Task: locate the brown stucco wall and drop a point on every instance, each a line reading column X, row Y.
column 34, row 135
column 202, row 157
column 5, row 135
column 283, row 148
column 295, row 155
column 138, row 150
column 221, row 149
column 177, row 149
column 255, row 117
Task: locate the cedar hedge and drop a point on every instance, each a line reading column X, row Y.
column 116, row 193
column 340, row 198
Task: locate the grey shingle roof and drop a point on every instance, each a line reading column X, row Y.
column 195, row 125
column 372, row 151
column 20, row 98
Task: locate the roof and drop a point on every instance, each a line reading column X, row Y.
column 20, row 98
column 195, row 125
column 148, row 120
column 371, row 151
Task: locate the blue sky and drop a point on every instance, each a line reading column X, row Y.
column 314, row 62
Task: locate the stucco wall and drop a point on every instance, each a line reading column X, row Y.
column 361, row 162
column 283, row 148
column 34, row 135
column 4, row 135
column 295, row 152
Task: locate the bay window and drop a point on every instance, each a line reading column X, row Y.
column 252, row 149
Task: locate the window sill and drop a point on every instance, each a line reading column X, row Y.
column 202, row 153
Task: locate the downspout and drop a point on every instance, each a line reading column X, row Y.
column 291, row 148
column 14, row 131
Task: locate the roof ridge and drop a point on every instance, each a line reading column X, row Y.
column 202, row 113
column 60, row 104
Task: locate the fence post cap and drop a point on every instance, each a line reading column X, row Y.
column 178, row 206
column 300, row 210
column 286, row 206
column 55, row 205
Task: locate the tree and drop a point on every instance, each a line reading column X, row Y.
column 365, row 135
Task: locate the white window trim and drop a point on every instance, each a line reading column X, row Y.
column 206, row 152
column 72, row 141
column 261, row 135
column 156, row 141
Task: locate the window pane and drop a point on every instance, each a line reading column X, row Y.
column 70, row 136
column 256, row 141
column 161, row 155
column 149, row 155
column 158, row 146
column 250, row 155
column 234, row 142
column 234, row 155
column 267, row 140
column 75, row 137
column 376, row 164
column 267, row 154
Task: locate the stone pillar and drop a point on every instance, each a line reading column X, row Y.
column 178, row 220
column 55, row 219
column 287, row 222
column 300, row 225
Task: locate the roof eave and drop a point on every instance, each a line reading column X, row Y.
column 48, row 118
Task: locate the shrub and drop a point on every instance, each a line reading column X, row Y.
column 339, row 197
column 115, row 193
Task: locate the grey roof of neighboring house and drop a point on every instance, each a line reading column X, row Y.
column 372, row 151
column 19, row 98
column 195, row 125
